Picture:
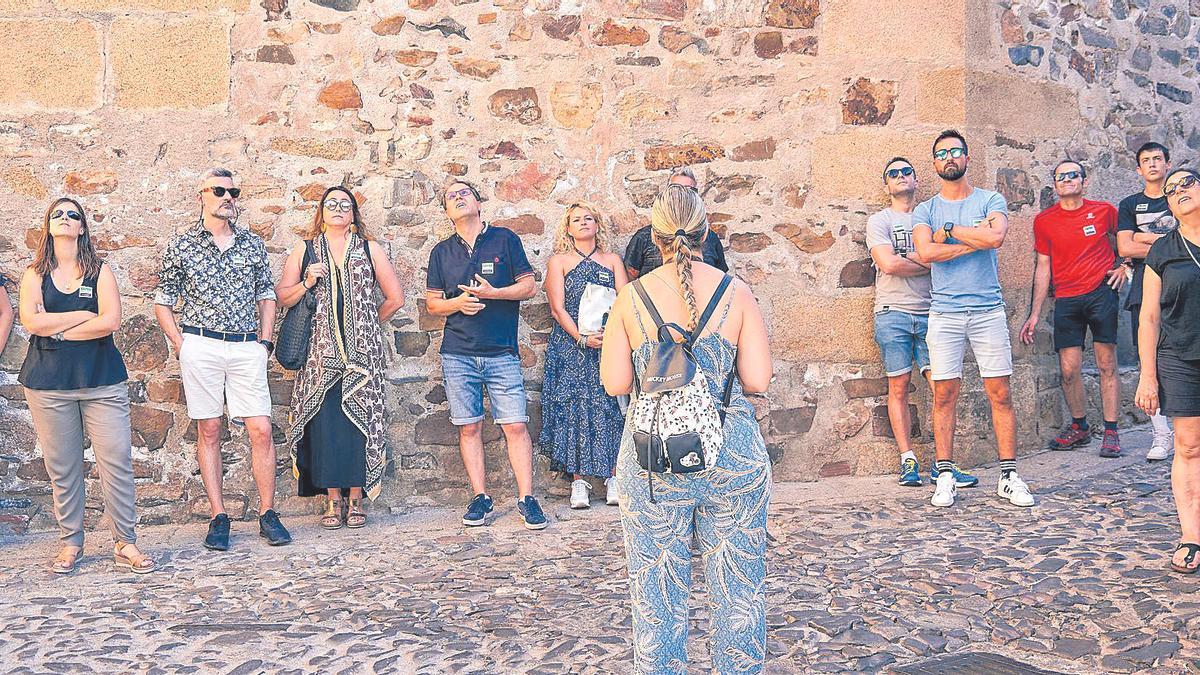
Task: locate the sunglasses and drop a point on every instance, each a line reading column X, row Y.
column 903, row 171
column 334, row 205
column 219, row 191
column 1188, row 182
column 73, row 215
column 952, row 152
column 1066, row 176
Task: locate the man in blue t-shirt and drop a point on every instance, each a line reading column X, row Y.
column 478, row 277
column 958, row 232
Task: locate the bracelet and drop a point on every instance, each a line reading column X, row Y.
column 582, row 341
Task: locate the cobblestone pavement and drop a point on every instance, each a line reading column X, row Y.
column 863, row 576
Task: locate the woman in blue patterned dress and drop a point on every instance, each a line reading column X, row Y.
column 725, row 506
column 581, row 425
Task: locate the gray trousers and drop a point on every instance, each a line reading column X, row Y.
column 62, row 418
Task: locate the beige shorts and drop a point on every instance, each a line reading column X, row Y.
column 215, row 373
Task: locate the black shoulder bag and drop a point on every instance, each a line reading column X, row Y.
column 295, row 333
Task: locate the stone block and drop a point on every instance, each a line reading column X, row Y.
column 530, row 182
column 941, row 96
column 1023, row 108
column 881, row 424
column 150, row 426
column 792, row 421
column 920, row 30
column 665, row 10
column 169, row 64
column 836, row 329
column 611, row 34
column 90, row 182
column 857, row 274
column 333, row 148
column 869, row 102
column 518, row 105
column 861, row 180
column 671, row 156
column 575, row 104
column 21, row 180
column 340, row 95
column 412, row 343
column 792, row 13
column 59, row 67
column 866, row 387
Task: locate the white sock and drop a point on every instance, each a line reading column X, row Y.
column 1160, row 423
column 908, row 455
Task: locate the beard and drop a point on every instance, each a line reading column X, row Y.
column 952, row 172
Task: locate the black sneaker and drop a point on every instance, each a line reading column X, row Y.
column 272, row 530
column 531, row 513
column 218, row 533
column 477, row 511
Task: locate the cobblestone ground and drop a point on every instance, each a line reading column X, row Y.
column 863, row 576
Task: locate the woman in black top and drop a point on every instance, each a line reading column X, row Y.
column 1169, row 344
column 74, row 381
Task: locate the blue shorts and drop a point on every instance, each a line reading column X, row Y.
column 465, row 378
column 901, row 340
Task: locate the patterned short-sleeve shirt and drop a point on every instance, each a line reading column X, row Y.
column 219, row 290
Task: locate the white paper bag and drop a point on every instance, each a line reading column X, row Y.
column 593, row 308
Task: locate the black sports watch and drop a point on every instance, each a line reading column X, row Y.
column 268, row 344
column 947, row 227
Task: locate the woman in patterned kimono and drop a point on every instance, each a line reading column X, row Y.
column 725, row 505
column 336, row 426
column 581, row 425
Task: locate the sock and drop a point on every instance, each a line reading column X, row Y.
column 1007, row 466
column 908, row 455
column 945, row 465
column 1110, row 426
column 1080, row 422
column 1160, row 424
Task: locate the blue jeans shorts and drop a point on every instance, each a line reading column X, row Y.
column 901, row 340
column 465, row 378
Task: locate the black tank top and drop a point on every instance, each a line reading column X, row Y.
column 71, row 364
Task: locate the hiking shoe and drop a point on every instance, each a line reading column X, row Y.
column 1160, row 447
column 579, row 494
column 477, row 511
column 531, row 513
column 1111, row 445
column 272, row 530
column 613, row 496
column 910, row 474
column 962, row 479
column 944, row 490
column 218, row 533
column 1012, row 488
column 1071, row 436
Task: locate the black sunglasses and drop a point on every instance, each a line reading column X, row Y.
column 219, row 191
column 1186, row 183
column 73, row 215
column 1067, row 175
column 952, row 152
column 902, row 171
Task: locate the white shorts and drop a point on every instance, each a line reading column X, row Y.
column 949, row 333
column 215, row 372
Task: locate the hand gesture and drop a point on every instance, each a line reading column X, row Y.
column 1146, row 397
column 314, row 273
column 595, row 340
column 480, row 289
column 1116, row 277
column 1027, row 330
column 468, row 304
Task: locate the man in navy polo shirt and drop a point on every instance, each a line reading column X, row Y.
column 478, row 277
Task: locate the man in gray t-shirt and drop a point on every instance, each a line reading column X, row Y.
column 901, row 304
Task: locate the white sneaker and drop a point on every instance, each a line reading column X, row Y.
column 944, row 490
column 613, row 496
column 579, row 494
column 1160, row 447
column 1014, row 490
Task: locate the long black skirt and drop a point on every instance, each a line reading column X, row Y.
column 332, row 452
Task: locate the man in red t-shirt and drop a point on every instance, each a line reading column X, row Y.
column 1075, row 242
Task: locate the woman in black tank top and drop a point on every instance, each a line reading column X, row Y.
column 74, row 380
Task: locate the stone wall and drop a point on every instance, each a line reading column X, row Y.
column 786, row 108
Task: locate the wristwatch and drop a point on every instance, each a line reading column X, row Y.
column 947, row 227
column 268, row 344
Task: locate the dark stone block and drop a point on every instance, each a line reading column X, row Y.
column 1094, row 38
column 421, row 461
column 436, row 395
column 881, row 425
column 1171, row 56
column 839, row 468
column 1173, row 93
column 1141, row 59
column 1026, row 55
column 412, row 344
column 339, row 5
column 857, row 274
column 866, row 387
column 793, row 421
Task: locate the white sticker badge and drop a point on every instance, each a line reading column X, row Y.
column 85, row 291
column 488, row 268
column 1089, row 230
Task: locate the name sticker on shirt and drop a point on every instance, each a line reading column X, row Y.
column 605, row 276
column 487, row 268
column 1089, row 230
column 1142, row 207
column 239, row 260
column 85, row 291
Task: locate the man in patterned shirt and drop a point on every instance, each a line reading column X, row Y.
column 220, row 274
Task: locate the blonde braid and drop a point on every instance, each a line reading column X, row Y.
column 679, row 224
column 683, row 265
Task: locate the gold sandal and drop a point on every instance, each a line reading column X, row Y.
column 332, row 518
column 356, row 518
column 139, row 563
column 66, row 562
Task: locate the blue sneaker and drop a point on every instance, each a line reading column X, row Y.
column 910, row 473
column 477, row 511
column 531, row 513
column 962, row 479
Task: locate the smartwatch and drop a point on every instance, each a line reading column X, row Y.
column 947, row 227
column 268, row 344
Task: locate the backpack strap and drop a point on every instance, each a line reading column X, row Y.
column 309, row 256
column 728, row 395
column 712, row 307
column 658, row 320
column 367, row 250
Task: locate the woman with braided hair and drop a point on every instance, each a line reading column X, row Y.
column 725, row 505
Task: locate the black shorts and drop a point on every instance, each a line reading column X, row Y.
column 1074, row 316
column 1178, row 385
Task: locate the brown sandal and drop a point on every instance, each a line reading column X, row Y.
column 332, row 518
column 139, row 563
column 357, row 517
column 67, row 560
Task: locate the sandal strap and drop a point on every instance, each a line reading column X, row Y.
column 1192, row 550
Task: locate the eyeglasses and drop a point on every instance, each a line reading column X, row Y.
column 459, row 194
column 1186, row 183
column 73, row 215
column 334, row 205
column 1067, row 175
column 902, row 171
column 219, row 191
column 952, row 152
